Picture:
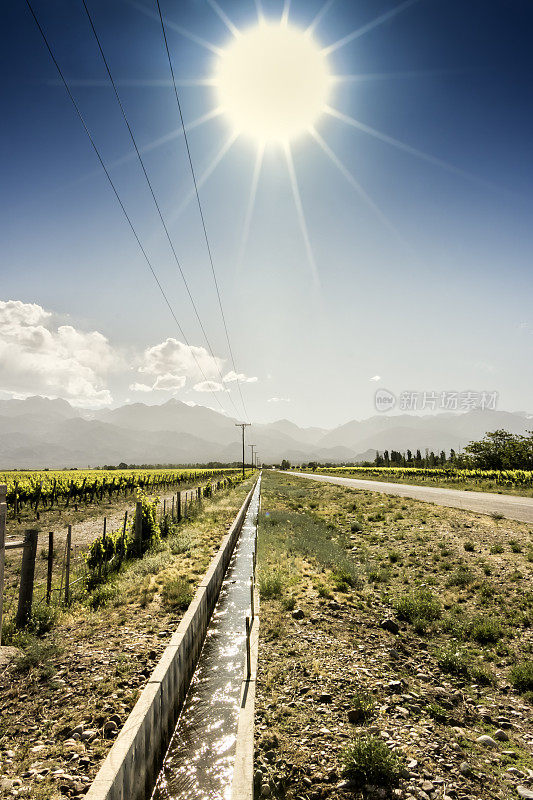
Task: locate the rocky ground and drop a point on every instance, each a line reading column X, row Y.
column 364, row 693
column 66, row 696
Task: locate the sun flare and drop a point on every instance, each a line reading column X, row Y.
column 273, row 82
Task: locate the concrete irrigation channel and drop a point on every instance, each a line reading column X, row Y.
column 190, row 734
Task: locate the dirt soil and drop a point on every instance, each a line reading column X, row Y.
column 340, row 664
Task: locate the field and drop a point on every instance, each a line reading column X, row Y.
column 87, row 521
column 516, row 481
column 394, row 634
column 81, row 669
column 33, row 491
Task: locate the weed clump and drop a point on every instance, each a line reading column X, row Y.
column 453, row 661
column 271, row 584
column 521, row 676
column 177, row 593
column 368, row 760
column 420, row 606
column 483, row 629
column 37, row 655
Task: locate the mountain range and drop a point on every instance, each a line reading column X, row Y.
column 39, row 432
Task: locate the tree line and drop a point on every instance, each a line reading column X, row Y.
column 497, row 450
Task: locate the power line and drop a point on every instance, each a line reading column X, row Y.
column 89, row 17
column 130, row 223
column 200, row 208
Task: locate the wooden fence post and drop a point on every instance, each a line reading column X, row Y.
column 50, row 567
column 67, row 565
column 178, row 505
column 138, row 526
column 27, row 575
column 124, row 535
column 3, row 517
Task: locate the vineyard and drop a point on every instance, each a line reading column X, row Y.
column 499, row 480
column 52, row 489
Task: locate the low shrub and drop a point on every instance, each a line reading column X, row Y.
column 462, row 577
column 288, row 603
column 177, row 593
column 271, row 583
column 521, row 676
column 453, row 661
column 483, row 629
column 37, row 654
column 419, row 606
column 368, row 760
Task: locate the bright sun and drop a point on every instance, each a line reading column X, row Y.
column 273, row 82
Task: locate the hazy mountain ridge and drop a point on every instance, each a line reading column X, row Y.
column 39, row 432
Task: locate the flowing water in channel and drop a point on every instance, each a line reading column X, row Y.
column 199, row 761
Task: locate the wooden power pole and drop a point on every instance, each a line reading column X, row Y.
column 242, row 425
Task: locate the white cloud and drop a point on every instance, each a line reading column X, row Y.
column 39, row 357
column 179, row 360
column 209, row 386
column 139, row 387
column 163, row 383
column 279, row 400
column 232, row 376
column 375, row 378
column 169, row 382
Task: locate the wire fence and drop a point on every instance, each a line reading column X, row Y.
column 52, row 569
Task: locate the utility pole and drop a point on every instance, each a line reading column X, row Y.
column 252, row 459
column 242, row 425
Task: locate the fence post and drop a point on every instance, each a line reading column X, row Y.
column 27, row 575
column 138, row 526
column 124, row 535
column 3, row 517
column 173, row 507
column 178, row 506
column 67, row 565
column 248, row 657
column 50, row 566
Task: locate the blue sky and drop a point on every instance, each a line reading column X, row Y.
column 435, row 298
